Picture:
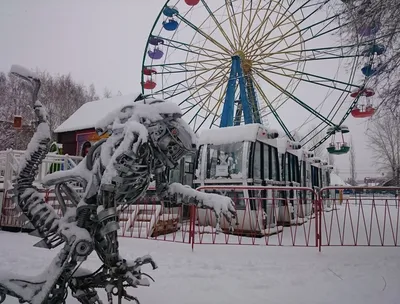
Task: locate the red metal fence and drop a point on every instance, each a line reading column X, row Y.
column 364, row 217
column 273, row 216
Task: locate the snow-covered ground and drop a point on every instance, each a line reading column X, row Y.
column 227, row 274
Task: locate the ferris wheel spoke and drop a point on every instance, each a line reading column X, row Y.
column 317, row 49
column 203, row 102
column 271, row 107
column 180, row 83
column 313, row 78
column 183, row 86
column 312, row 134
column 192, row 105
column 232, row 21
column 184, row 67
column 259, row 43
column 194, row 88
column 216, row 75
column 242, row 17
column 218, row 24
column 295, row 99
column 312, row 57
column 202, row 33
column 302, row 20
column 280, row 22
column 219, row 103
column 300, row 33
column 251, row 20
column 325, row 138
column 191, row 48
column 211, row 111
column 328, row 50
column 304, row 30
column 220, row 83
column 262, row 27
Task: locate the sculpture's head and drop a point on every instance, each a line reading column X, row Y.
column 170, row 136
column 173, row 139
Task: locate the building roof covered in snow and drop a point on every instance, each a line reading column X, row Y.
column 90, row 113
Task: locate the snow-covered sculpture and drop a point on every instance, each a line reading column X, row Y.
column 147, row 137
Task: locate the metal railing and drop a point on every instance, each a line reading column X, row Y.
column 266, row 216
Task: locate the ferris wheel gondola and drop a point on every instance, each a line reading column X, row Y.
column 238, row 62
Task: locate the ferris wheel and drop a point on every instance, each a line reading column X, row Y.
column 232, row 62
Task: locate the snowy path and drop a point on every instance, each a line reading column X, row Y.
column 224, row 274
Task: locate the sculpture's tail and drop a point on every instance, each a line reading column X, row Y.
column 41, row 215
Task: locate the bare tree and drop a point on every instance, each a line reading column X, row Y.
column 352, row 160
column 107, row 93
column 359, row 17
column 384, row 140
column 61, row 95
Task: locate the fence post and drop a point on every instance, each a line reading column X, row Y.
column 192, row 225
column 316, row 208
column 320, row 221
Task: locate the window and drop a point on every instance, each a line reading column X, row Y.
column 267, row 173
column 274, row 164
column 188, row 170
column 257, row 161
column 285, row 167
column 225, row 161
column 315, row 176
column 293, row 172
column 198, row 165
column 175, row 175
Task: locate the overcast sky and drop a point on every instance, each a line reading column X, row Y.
column 102, row 42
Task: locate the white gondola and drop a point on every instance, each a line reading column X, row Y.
column 253, row 155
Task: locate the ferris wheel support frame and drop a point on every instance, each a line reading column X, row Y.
column 228, row 113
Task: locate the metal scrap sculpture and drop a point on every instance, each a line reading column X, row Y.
column 147, row 137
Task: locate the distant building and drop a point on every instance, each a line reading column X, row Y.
column 77, row 133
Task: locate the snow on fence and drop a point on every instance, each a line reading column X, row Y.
column 273, row 216
column 9, row 164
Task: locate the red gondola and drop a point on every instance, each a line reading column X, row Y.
column 192, row 2
column 149, row 71
column 367, row 92
column 149, row 84
column 361, row 113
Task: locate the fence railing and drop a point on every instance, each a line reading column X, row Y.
column 269, row 216
column 10, row 159
column 365, row 217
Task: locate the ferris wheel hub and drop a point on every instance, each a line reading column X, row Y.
column 247, row 64
column 241, row 54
